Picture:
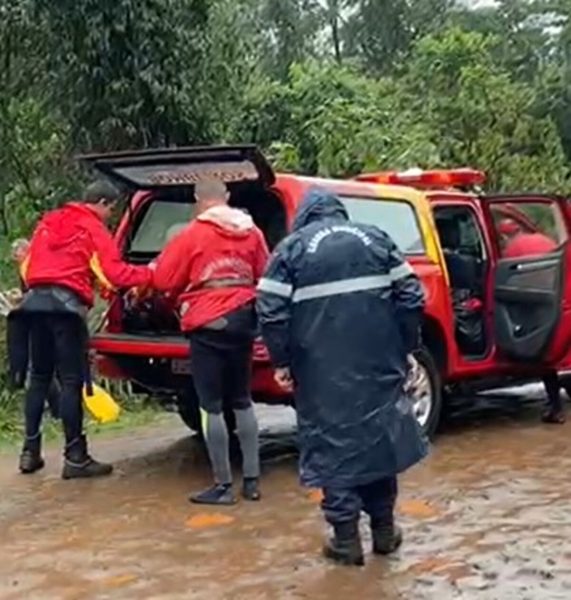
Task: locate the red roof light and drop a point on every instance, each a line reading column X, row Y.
column 419, row 178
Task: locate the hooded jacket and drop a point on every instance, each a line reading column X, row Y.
column 339, row 305
column 72, row 248
column 211, row 268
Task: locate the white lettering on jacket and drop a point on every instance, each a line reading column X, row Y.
column 327, row 231
column 226, row 267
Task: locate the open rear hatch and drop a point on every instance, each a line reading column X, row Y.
column 181, row 167
column 169, row 175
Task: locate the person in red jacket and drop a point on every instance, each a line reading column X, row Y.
column 212, row 268
column 70, row 250
column 518, row 243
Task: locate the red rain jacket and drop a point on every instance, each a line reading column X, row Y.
column 71, row 247
column 198, row 265
column 528, row 244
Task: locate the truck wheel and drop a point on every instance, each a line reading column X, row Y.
column 427, row 400
column 189, row 411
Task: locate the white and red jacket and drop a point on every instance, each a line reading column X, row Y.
column 212, row 267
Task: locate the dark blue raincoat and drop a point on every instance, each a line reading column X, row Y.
column 341, row 308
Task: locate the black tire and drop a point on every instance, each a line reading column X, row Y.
column 432, row 416
column 189, row 411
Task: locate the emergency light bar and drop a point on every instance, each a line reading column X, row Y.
column 418, row 178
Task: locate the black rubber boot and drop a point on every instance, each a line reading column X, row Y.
column 251, row 489
column 345, row 547
column 79, row 465
column 31, row 457
column 386, row 538
column 219, row 494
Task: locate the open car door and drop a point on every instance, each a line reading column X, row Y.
column 531, row 289
column 179, row 167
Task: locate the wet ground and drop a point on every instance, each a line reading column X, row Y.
column 487, row 516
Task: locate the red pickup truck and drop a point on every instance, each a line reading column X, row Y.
column 489, row 319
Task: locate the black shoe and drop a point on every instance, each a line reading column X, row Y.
column 218, row 494
column 251, row 490
column 31, row 457
column 386, row 538
column 553, row 417
column 78, row 464
column 345, row 547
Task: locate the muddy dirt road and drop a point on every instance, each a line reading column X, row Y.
column 487, row 516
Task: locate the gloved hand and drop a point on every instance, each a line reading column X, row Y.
column 138, row 294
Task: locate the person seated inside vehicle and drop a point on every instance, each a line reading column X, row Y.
column 463, row 270
column 515, row 242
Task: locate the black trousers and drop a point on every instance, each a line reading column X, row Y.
column 222, row 361
column 377, row 499
column 53, row 395
column 57, row 345
column 221, row 370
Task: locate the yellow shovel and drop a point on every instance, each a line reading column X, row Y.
column 99, row 402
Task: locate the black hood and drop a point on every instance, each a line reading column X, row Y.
column 319, row 204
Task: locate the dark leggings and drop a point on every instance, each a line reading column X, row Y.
column 57, row 344
column 221, row 366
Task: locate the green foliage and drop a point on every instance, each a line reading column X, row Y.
column 342, row 122
column 481, row 116
column 331, row 87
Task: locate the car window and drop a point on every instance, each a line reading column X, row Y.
column 528, row 228
column 396, row 217
column 161, row 221
column 459, row 231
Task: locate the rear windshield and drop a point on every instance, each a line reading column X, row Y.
column 161, row 221
column 396, row 217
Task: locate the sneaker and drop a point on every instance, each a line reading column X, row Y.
column 218, row 494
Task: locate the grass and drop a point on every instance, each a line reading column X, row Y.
column 136, row 412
